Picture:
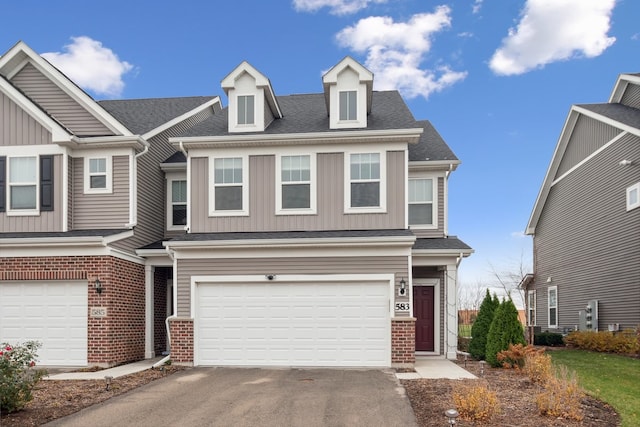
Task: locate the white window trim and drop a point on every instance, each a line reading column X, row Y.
column 255, row 111
column 531, row 295
column 245, row 187
column 348, row 209
column 340, row 92
column 635, row 187
column 22, row 212
column 549, row 289
column 109, row 175
column 312, row 209
column 434, row 203
column 170, row 225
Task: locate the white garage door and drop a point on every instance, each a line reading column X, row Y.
column 293, row 324
column 54, row 313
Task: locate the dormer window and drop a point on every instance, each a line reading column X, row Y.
column 349, row 105
column 246, row 109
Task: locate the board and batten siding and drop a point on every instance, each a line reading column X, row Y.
column 17, row 127
column 631, row 96
column 45, row 221
column 588, row 136
column 440, row 203
column 588, row 244
column 282, row 266
column 330, row 199
column 101, row 211
column 57, row 103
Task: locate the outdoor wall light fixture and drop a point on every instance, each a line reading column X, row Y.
column 403, row 288
column 98, row 286
column 549, row 279
column 270, row 276
column 625, row 162
column 403, row 284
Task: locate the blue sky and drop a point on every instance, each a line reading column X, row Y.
column 496, row 78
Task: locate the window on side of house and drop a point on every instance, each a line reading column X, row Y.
column 348, row 105
column 97, row 174
column 178, row 203
column 531, row 308
column 421, row 204
column 633, row 196
column 365, row 180
column 23, row 184
column 296, row 185
column 246, row 109
column 229, row 193
column 552, row 298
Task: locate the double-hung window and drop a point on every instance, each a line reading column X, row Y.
column 633, row 196
column 531, row 308
column 229, row 181
column 246, row 109
column 552, row 297
column 349, row 105
column 23, row 184
column 97, row 174
column 366, row 184
column 421, row 202
column 178, row 203
column 296, row 187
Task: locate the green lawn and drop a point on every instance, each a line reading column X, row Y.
column 613, row 379
column 464, row 331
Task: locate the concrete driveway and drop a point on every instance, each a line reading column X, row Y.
column 257, row 397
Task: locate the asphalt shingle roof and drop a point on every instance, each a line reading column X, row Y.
column 74, row 233
column 621, row 113
column 451, row 242
column 431, row 145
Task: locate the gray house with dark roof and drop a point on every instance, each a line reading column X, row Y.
column 586, row 220
column 300, row 230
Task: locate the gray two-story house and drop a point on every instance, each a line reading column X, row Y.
column 586, row 220
column 300, row 230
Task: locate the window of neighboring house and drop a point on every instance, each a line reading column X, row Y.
column 421, row 201
column 531, row 308
column 246, row 109
column 178, row 203
column 552, row 296
column 633, row 196
column 23, row 184
column 97, row 175
column 229, row 195
column 348, row 105
column 365, row 183
column 296, row 187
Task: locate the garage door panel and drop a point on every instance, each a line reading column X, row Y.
column 293, row 324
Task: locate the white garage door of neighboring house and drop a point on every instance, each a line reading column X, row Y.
column 54, row 313
column 293, row 324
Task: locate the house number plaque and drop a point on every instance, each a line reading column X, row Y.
column 403, row 306
column 98, row 311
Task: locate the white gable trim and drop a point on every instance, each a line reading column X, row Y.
column 262, row 82
column 173, row 122
column 621, row 86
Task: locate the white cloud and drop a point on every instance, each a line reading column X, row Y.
column 336, row 7
column 91, row 66
column 518, row 234
column 554, row 30
column 396, row 50
column 477, row 5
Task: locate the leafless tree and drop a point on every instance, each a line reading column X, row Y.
column 509, row 277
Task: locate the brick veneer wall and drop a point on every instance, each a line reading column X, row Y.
column 181, row 340
column 120, row 336
column 403, row 342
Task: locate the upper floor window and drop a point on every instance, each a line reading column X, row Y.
column 178, row 203
column 365, row 191
column 229, row 181
column 348, row 105
column 23, row 183
column 552, row 297
column 531, row 308
column 246, row 109
column 97, row 174
column 296, row 187
column 633, row 196
column 421, row 201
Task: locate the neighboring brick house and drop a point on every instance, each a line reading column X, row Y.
column 300, row 230
column 586, row 220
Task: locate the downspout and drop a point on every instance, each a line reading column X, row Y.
column 175, row 314
column 133, row 188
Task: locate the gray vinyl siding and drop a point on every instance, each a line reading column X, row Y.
column 268, row 115
column 259, row 266
column 588, row 243
column 330, row 203
column 57, row 103
column 588, row 136
column 439, row 231
column 44, row 221
column 17, row 127
column 101, row 211
column 151, row 190
column 631, row 96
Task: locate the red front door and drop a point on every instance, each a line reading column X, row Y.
column 423, row 311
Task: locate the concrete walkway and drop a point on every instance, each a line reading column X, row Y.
column 118, row 371
column 435, row 367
